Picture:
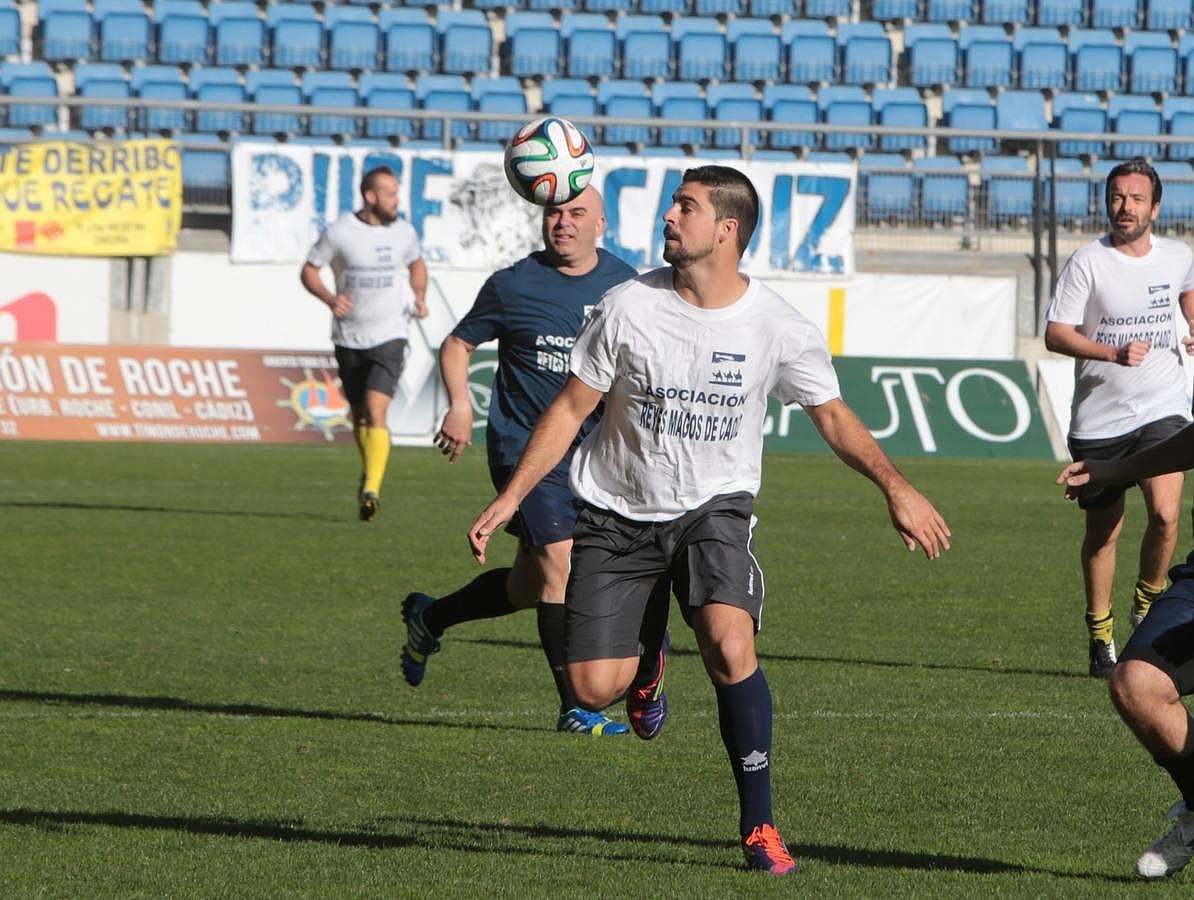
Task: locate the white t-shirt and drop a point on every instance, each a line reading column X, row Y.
column 686, row 393
column 1114, row 299
column 370, row 266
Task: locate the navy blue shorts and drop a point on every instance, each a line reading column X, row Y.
column 1117, row 448
column 375, row 369
column 1166, row 636
column 547, row 515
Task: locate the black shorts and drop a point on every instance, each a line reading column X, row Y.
column 547, row 515
column 1166, row 636
column 375, row 369
column 1117, row 448
column 619, row 566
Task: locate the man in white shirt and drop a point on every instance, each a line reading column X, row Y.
column 1114, row 310
column 684, row 358
column 381, row 283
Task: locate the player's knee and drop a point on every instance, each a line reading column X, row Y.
column 1136, row 686
column 595, row 690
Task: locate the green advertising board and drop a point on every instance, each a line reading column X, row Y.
column 958, row 408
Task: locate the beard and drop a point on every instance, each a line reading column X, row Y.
column 1128, row 232
column 384, row 217
column 680, row 256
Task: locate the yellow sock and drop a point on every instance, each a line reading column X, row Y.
column 376, row 451
column 1144, row 595
column 1100, row 629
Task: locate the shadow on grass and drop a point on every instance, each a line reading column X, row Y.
column 124, row 701
column 834, row 660
column 474, row 837
column 128, row 507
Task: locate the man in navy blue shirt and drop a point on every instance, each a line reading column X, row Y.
column 534, row 310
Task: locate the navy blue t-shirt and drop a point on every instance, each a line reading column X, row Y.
column 534, row 311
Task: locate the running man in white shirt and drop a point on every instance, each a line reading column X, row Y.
column 381, row 283
column 684, row 358
column 1114, row 311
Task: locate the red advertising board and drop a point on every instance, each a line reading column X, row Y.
column 82, row 392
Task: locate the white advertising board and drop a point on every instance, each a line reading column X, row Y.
column 60, row 300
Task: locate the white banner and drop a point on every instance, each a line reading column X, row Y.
column 56, row 300
column 467, row 216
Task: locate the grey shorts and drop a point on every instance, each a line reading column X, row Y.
column 374, row 369
column 619, row 566
column 1117, row 448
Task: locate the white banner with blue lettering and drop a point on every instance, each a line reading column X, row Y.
column 466, row 215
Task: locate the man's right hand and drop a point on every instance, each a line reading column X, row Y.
column 1132, row 354
column 340, row 305
column 455, row 433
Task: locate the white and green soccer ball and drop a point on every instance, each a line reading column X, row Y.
column 549, row 161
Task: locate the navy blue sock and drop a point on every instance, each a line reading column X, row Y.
column 1181, row 770
column 551, row 636
column 744, row 713
column 482, row 598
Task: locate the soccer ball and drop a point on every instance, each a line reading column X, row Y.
column 549, row 161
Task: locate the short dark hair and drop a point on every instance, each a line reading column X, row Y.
column 1136, row 166
column 372, row 175
column 732, row 196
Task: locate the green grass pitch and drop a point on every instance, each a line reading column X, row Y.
column 200, row 696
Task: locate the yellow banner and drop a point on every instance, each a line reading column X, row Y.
column 114, row 198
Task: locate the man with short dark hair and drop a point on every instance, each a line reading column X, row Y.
column 381, row 283
column 684, row 358
column 1113, row 310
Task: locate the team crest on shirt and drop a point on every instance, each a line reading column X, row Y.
column 727, row 368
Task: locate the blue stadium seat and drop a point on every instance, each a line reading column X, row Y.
column 296, row 35
column 1114, row 14
column 828, row 9
column 890, row 10
column 548, row 5
column 1009, row 187
column 1043, row 56
column 10, row 29
column 446, row 93
column 102, row 81
column 846, row 105
column 663, row 6
column 812, row 54
column 1020, row 111
column 1006, row 12
column 887, row 185
column 718, row 8
column 700, row 56
column 409, row 46
column 204, row 168
column 621, row 108
column 1080, row 113
column 1138, row 116
column 239, row 33
column 29, row 79
column 901, row 107
column 987, row 56
column 162, row 83
column 590, row 48
column 757, row 54
column 931, row 55
column 217, row 85
column 615, row 6
column 1169, row 15
column 572, row 106
column 15, row 135
column 949, row 11
column 734, row 102
column 944, row 187
column 969, row 108
column 1061, row 12
column 770, row 7
column 386, row 90
column 680, row 100
column 330, row 89
column 646, row 48
column 866, row 54
column 125, row 32
column 466, row 49
column 353, row 38
column 1152, row 62
column 532, row 44
column 65, row 35
column 274, row 87
column 1072, row 201
column 565, row 87
column 1178, row 113
column 1096, row 60
column 1177, row 205
column 182, row 31
column 503, row 94
column 791, row 104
